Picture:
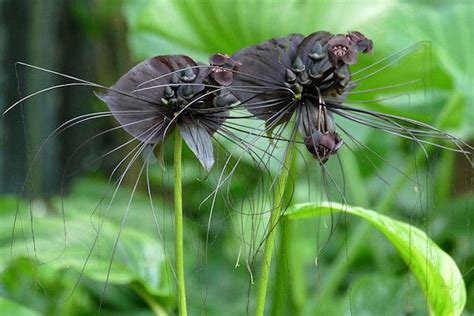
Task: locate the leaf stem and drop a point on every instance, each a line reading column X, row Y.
column 272, row 225
column 156, row 308
column 178, row 209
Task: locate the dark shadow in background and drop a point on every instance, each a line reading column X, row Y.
column 80, row 38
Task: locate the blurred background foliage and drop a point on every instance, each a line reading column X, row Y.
column 351, row 270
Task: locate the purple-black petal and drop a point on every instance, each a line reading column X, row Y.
column 218, row 59
column 307, row 46
column 222, row 76
column 363, row 43
column 262, row 70
column 307, row 117
column 350, row 58
column 198, row 138
column 135, row 99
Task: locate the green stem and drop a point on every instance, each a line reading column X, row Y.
column 156, row 308
column 178, row 209
column 289, row 292
column 272, row 225
column 358, row 237
column 280, row 297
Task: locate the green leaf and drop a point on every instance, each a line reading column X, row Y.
column 198, row 28
column 436, row 272
column 8, row 307
column 448, row 26
column 382, row 294
column 136, row 258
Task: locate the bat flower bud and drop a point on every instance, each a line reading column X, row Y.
column 322, row 146
column 163, row 93
column 297, row 76
column 221, row 68
column 342, row 48
column 317, row 126
column 363, row 44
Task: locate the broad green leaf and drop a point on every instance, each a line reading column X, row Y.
column 449, row 27
column 436, row 272
column 8, row 307
column 198, row 28
column 381, row 294
column 136, row 258
column 41, row 289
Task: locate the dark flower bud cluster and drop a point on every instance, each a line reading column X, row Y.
column 363, row 44
column 284, row 76
column 312, row 69
column 221, row 68
column 166, row 92
column 301, row 78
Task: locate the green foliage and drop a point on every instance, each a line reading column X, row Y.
column 197, row 29
column 448, row 27
column 347, row 270
column 440, row 68
column 11, row 308
column 64, row 246
column 435, row 270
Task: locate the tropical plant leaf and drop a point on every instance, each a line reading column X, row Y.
column 209, row 26
column 381, row 294
column 436, row 272
column 8, row 307
column 137, row 257
column 448, row 26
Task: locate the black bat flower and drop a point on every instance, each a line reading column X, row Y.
column 308, row 78
column 307, row 70
column 165, row 92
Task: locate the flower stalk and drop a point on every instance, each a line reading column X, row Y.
column 272, row 229
column 178, row 209
column 289, row 293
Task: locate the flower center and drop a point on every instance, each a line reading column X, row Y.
column 339, row 50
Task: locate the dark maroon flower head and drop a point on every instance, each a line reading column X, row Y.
column 301, row 77
column 363, row 44
column 165, row 92
column 318, row 130
column 345, row 47
column 322, row 146
column 221, row 68
column 342, row 48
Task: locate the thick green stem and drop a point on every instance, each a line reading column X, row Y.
column 272, row 225
column 281, row 291
column 178, row 209
column 289, row 292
